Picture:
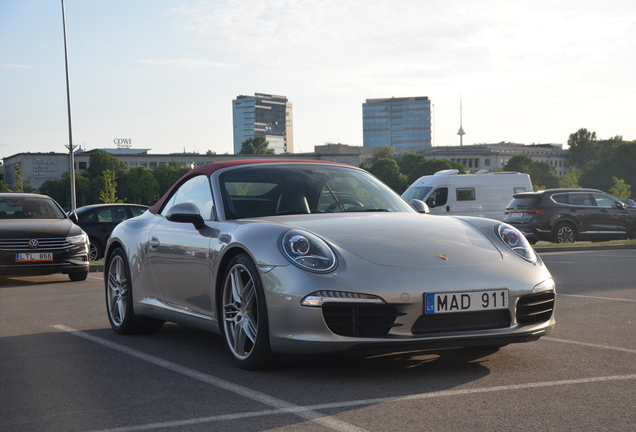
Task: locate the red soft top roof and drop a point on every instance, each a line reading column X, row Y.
column 209, row 168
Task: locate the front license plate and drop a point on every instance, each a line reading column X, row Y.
column 437, row 303
column 34, row 257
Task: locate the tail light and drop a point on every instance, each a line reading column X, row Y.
column 540, row 212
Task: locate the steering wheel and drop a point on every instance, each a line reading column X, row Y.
column 344, row 201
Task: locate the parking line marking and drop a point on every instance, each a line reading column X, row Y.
column 597, row 298
column 591, row 345
column 254, row 395
column 366, row 402
column 310, row 412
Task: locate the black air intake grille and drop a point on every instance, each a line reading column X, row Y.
column 461, row 321
column 535, row 308
column 360, row 320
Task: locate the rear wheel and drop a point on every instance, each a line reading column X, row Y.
column 245, row 323
column 564, row 233
column 119, row 300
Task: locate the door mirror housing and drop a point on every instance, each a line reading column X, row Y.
column 420, row 206
column 186, row 213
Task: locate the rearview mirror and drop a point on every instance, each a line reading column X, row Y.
column 420, row 206
column 186, row 213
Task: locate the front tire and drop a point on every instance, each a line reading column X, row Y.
column 94, row 251
column 244, row 312
column 119, row 299
column 564, row 233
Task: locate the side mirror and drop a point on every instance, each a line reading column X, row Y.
column 186, row 213
column 420, row 206
column 72, row 216
column 621, row 205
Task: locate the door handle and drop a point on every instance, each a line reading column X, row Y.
column 154, row 243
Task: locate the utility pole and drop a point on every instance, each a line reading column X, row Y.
column 71, row 148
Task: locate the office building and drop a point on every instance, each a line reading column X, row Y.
column 397, row 122
column 263, row 115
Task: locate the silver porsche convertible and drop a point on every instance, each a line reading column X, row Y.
column 304, row 257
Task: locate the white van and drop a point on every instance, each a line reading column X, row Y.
column 483, row 194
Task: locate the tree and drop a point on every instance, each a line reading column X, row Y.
column 609, row 146
column 571, row 179
column 407, row 163
column 109, row 193
column 101, row 161
column 431, row 166
column 20, row 184
column 583, row 147
column 139, row 186
column 256, row 145
column 167, row 175
column 388, row 171
column 520, row 163
column 620, row 189
column 543, row 175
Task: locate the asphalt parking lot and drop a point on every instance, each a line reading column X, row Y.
column 62, row 369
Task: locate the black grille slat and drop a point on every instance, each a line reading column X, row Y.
column 462, row 321
column 360, row 320
column 535, row 308
column 43, row 244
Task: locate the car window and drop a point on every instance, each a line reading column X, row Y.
column 137, row 211
column 86, row 217
column 561, row 198
column 524, row 202
column 416, row 193
column 29, row 208
column 196, row 191
column 580, row 199
column 285, row 189
column 438, row 197
column 604, row 201
column 465, row 194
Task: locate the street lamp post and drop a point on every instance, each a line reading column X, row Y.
column 71, row 148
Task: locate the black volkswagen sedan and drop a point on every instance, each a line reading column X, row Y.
column 38, row 238
column 570, row 215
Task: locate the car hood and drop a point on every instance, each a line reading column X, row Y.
column 37, row 228
column 402, row 239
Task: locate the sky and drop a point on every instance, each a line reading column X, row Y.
column 163, row 74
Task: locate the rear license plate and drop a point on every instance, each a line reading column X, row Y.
column 517, row 215
column 437, row 303
column 34, row 257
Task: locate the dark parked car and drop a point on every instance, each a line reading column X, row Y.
column 99, row 220
column 38, row 238
column 569, row 215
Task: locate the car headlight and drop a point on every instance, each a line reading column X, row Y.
column 517, row 242
column 308, row 251
column 78, row 239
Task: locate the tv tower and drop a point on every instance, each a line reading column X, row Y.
column 460, row 132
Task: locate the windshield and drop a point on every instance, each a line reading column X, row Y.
column 416, row 193
column 304, row 189
column 29, row 208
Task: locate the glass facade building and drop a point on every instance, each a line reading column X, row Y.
column 263, row 115
column 397, row 122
